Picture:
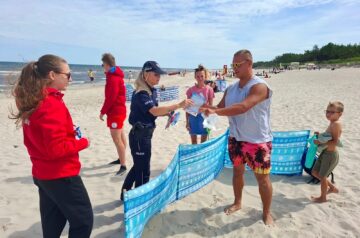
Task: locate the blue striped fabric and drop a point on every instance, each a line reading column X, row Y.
column 194, row 166
column 200, row 164
column 191, row 168
column 169, row 94
column 142, row 203
column 288, row 148
column 129, row 92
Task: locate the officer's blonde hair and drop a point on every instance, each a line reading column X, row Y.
column 140, row 83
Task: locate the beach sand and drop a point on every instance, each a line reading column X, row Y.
column 299, row 101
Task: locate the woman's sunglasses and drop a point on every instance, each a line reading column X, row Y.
column 68, row 75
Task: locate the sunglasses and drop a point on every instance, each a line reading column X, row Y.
column 68, row 75
column 330, row 112
column 237, row 65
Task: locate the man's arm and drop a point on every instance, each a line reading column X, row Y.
column 221, row 104
column 258, row 93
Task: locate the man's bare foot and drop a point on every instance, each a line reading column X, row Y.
column 233, row 208
column 268, row 220
column 333, row 190
column 318, row 199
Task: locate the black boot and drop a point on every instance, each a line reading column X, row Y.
column 115, row 162
column 122, row 195
column 122, row 170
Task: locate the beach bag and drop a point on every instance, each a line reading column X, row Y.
column 310, row 159
column 310, row 154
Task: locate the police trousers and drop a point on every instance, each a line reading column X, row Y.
column 140, row 146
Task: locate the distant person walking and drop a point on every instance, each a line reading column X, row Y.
column 91, row 75
column 114, row 107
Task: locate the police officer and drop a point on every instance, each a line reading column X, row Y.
column 144, row 110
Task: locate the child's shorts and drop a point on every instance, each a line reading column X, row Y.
column 256, row 156
column 326, row 162
column 196, row 125
column 116, row 122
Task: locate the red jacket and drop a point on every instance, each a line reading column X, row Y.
column 50, row 139
column 115, row 93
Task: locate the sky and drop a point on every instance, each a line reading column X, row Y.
column 176, row 34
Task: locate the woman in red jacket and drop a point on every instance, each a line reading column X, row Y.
column 49, row 137
column 114, row 107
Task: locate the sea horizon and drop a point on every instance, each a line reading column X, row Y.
column 9, row 70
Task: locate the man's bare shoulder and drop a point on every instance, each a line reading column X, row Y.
column 259, row 88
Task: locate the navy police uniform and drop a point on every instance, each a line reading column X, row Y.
column 143, row 125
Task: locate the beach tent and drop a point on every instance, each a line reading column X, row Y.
column 310, row 66
column 295, row 65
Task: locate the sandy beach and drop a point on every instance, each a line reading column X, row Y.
column 299, row 100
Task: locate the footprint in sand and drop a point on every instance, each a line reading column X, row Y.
column 215, row 201
column 5, row 223
column 3, row 201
